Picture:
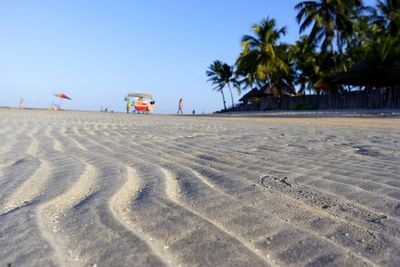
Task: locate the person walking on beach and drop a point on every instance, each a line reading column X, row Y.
column 180, row 107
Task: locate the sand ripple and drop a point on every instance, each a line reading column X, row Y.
column 90, row 189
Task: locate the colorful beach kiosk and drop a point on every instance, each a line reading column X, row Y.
column 141, row 102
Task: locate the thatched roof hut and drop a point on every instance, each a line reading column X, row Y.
column 253, row 96
column 276, row 91
column 365, row 73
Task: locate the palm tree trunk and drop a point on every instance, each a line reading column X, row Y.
column 269, row 81
column 339, row 42
column 223, row 99
column 230, row 90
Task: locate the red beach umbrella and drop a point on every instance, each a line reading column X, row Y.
column 61, row 95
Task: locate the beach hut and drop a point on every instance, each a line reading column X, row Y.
column 276, row 91
column 257, row 95
column 364, row 73
column 254, row 96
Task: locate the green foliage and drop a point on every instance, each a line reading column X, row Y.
column 330, row 21
column 341, row 34
column 388, row 16
column 221, row 75
column 264, row 60
column 383, row 51
column 214, row 73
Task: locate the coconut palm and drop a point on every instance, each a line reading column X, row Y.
column 365, row 28
column 389, row 16
column 384, row 51
column 261, row 60
column 379, row 66
column 314, row 69
column 228, row 78
column 304, row 56
column 214, row 73
column 330, row 21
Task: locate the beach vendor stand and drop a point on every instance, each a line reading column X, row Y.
column 143, row 102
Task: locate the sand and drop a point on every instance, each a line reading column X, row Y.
column 96, row 189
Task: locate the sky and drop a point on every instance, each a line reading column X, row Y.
column 97, row 51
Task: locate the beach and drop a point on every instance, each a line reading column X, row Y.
column 109, row 189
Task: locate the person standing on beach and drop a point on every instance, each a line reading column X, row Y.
column 22, row 103
column 128, row 106
column 180, row 107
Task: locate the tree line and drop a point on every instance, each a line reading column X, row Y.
column 335, row 35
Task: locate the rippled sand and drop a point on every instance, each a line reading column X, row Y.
column 95, row 189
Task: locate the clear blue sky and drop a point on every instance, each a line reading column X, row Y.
column 97, row 51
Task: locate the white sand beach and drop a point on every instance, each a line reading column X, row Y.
column 108, row 189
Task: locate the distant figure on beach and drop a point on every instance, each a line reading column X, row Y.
column 180, row 107
column 152, row 105
column 128, row 106
column 194, row 112
column 22, row 103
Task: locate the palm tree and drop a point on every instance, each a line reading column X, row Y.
column 260, row 60
column 383, row 51
column 331, row 20
column 389, row 16
column 304, row 56
column 228, row 78
column 366, row 28
column 214, row 73
column 313, row 69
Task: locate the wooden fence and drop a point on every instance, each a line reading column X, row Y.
column 385, row 98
